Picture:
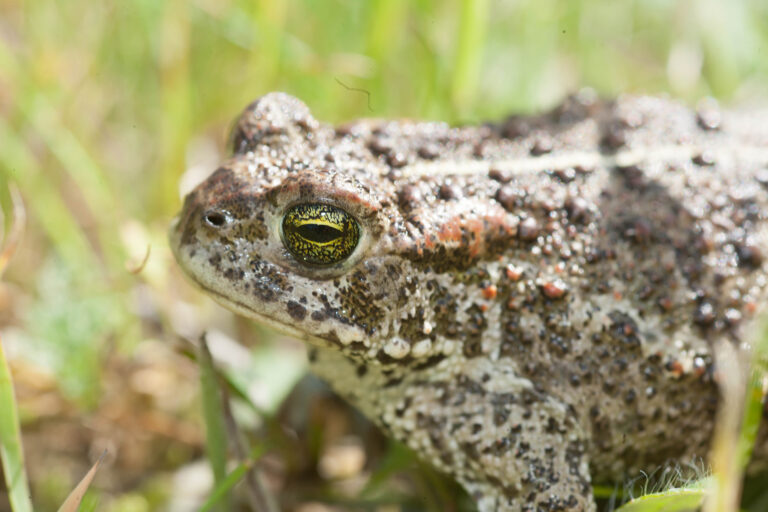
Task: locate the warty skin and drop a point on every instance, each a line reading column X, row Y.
column 532, row 305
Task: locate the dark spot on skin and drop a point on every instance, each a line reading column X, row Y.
column 233, row 274
column 296, row 310
column 542, row 145
column 475, row 326
column 479, row 151
column 409, row 197
column 705, row 158
column 508, row 197
column 515, row 127
column 708, row 115
column 624, row 328
column 449, row 192
column 387, row 360
column 397, row 159
column 705, row 314
column 393, row 382
column 566, row 175
column 578, row 209
column 470, row 385
column 380, row 145
column 614, row 136
column 665, row 303
column 430, row 362
column 750, row 255
column 639, row 231
column 429, row 151
column 529, row 229
column 502, row 176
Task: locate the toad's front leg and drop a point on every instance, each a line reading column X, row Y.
column 513, row 447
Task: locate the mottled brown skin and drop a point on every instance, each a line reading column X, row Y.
column 533, row 304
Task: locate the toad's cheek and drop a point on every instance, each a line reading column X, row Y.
column 297, row 306
column 291, row 314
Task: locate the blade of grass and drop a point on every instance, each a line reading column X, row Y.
column 226, row 485
column 397, row 458
column 44, row 119
column 177, row 98
column 11, row 453
column 725, row 455
column 437, row 498
column 215, row 430
column 18, row 219
column 260, row 499
column 753, row 410
column 72, row 503
column 385, row 19
column 472, row 29
column 17, row 164
column 234, row 387
column 671, row 500
column 606, row 492
column 89, row 176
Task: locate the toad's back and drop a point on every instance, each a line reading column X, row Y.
column 530, row 305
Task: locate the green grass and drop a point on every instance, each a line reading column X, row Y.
column 215, row 430
column 11, row 451
column 105, row 105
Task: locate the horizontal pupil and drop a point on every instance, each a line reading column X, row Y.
column 319, row 233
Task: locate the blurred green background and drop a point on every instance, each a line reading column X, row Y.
column 108, row 108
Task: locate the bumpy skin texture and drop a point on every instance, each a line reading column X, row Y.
column 532, row 305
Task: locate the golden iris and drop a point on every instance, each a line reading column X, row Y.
column 320, row 234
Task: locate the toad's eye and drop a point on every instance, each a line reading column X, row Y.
column 320, row 234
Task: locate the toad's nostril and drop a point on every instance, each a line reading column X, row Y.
column 215, row 218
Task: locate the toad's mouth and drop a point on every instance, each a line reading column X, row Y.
column 227, row 301
column 319, row 337
column 245, row 310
